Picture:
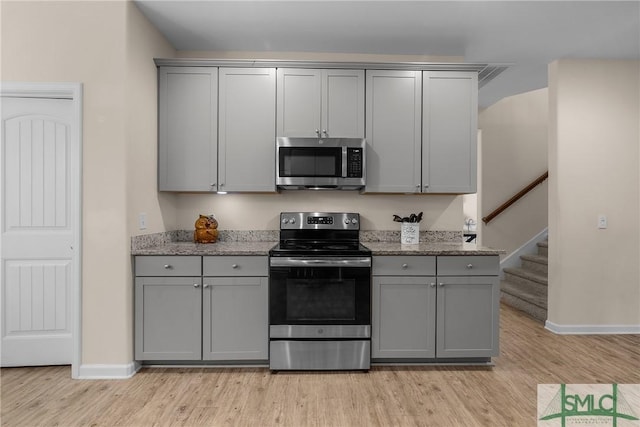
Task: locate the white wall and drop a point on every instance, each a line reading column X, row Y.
column 594, row 169
column 514, row 153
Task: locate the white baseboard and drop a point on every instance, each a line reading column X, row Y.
column 513, row 259
column 591, row 329
column 108, row 372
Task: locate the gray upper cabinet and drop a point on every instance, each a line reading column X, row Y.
column 393, row 131
column 187, row 148
column 449, row 134
column 247, row 116
column 320, row 103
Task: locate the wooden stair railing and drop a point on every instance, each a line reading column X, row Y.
column 515, row 198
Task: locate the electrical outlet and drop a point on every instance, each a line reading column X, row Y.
column 142, row 221
column 602, row 221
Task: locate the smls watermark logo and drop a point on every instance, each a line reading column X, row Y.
column 616, row 405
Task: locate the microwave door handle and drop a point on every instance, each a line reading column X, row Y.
column 344, row 161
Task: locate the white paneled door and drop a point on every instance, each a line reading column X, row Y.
column 40, row 196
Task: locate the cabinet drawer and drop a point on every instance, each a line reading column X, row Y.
column 404, row 266
column 168, row 266
column 468, row 265
column 235, row 266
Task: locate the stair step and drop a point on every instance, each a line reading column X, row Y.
column 543, row 248
column 536, row 295
column 532, row 310
column 537, row 263
column 520, row 275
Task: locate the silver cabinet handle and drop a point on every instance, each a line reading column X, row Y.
column 167, row 266
column 405, row 265
column 205, row 285
column 234, row 265
column 213, row 184
column 433, row 285
column 469, row 265
column 318, row 132
column 324, row 132
column 441, row 284
column 195, row 285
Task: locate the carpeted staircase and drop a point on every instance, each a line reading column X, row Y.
column 525, row 288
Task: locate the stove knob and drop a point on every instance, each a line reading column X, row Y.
column 285, row 220
column 292, row 221
column 346, row 220
column 354, row 221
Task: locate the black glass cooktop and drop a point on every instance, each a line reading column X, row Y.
column 315, row 247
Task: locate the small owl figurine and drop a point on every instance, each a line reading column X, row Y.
column 206, row 229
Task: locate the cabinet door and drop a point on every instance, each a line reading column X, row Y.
column 168, row 318
column 247, row 117
column 449, row 135
column 187, row 143
column 343, row 103
column 393, row 131
column 468, row 316
column 403, row 317
column 235, row 322
column 298, row 102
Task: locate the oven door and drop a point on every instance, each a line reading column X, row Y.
column 329, row 291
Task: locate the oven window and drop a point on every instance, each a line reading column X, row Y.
column 307, row 161
column 321, row 300
column 320, row 295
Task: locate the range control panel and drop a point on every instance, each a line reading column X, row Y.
column 319, row 220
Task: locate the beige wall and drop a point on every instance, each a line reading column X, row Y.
column 144, row 43
column 260, row 211
column 87, row 42
column 514, row 153
column 594, row 169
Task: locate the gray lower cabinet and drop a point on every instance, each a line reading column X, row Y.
column 468, row 306
column 168, row 308
column 235, row 322
column 404, row 317
column 404, row 302
column 427, row 307
column 221, row 316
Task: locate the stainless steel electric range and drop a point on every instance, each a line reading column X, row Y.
column 319, row 294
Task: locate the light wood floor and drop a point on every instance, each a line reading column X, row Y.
column 504, row 395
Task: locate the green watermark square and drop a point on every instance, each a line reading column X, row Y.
column 593, row 405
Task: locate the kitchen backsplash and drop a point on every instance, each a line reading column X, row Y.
column 158, row 239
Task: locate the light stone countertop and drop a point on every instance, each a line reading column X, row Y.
column 260, row 242
column 204, row 249
column 430, row 248
column 262, row 248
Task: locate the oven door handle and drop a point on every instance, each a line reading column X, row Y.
column 320, row 262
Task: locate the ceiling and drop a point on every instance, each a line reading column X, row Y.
column 526, row 34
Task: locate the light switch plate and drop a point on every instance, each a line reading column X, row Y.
column 142, row 221
column 602, row 221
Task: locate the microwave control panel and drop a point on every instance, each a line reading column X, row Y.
column 354, row 163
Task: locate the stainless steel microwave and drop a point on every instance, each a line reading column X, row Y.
column 320, row 163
